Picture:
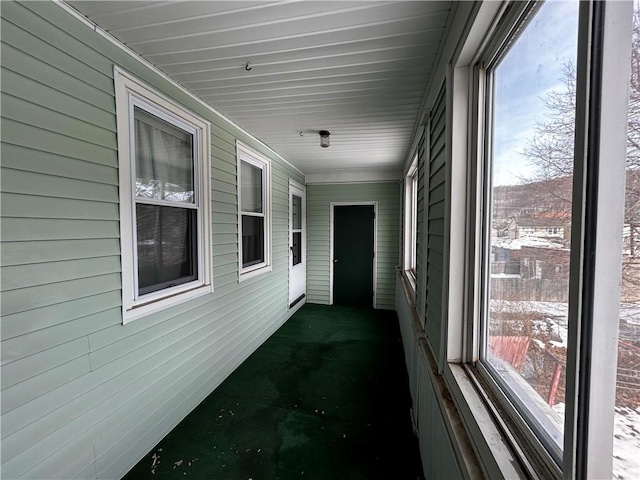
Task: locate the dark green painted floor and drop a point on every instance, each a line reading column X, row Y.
column 326, row 397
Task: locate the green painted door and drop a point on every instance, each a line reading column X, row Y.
column 353, row 231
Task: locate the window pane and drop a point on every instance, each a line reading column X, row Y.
column 531, row 163
column 167, row 252
column 414, row 221
column 164, row 159
column 297, row 212
column 252, row 240
column 297, row 248
column 251, row 188
column 626, row 439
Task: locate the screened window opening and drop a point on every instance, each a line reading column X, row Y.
column 252, row 240
column 528, row 210
column 167, row 247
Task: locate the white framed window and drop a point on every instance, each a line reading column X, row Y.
column 544, row 361
column 254, row 212
column 165, row 223
column 518, row 356
column 411, row 220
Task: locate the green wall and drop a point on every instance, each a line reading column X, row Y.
column 319, row 198
column 83, row 395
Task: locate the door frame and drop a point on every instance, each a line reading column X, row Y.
column 303, row 189
column 375, row 244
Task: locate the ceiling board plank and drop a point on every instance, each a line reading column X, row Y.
column 213, row 47
column 357, row 69
column 330, row 19
column 243, row 19
column 399, row 77
column 418, row 55
column 127, row 15
column 259, row 54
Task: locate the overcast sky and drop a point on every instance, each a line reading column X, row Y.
column 531, row 68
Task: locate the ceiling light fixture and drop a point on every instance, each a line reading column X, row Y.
column 324, row 138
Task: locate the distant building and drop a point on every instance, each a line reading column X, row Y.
column 544, row 263
column 543, row 227
column 542, row 256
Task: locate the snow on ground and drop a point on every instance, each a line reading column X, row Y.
column 630, row 312
column 626, row 442
column 557, row 313
column 554, row 309
column 529, row 241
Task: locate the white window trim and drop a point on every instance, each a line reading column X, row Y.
column 596, row 414
column 129, row 92
column 411, row 221
column 248, row 155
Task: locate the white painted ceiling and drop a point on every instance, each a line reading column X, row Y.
column 357, row 69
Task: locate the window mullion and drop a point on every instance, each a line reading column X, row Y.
column 165, row 203
column 597, row 238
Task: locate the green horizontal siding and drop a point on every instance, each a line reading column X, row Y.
column 35, row 274
column 319, row 198
column 26, row 158
column 421, row 230
column 83, row 395
column 435, row 195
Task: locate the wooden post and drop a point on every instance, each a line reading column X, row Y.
column 554, row 384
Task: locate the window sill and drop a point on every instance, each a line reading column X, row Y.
column 253, row 272
column 410, row 277
column 490, row 441
column 482, row 449
column 145, row 308
column 409, row 283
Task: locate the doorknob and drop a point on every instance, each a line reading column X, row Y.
column 335, row 260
